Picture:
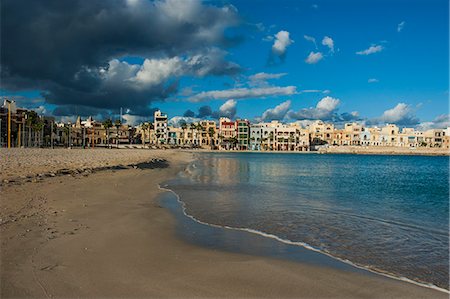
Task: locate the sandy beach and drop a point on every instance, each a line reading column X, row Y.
column 104, row 234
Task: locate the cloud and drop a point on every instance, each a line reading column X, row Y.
column 371, row 50
column 326, row 110
column 134, row 120
column 314, row 58
column 402, row 114
column 262, row 78
column 177, row 121
column 281, row 43
column 276, row 113
column 157, row 71
column 372, row 80
column 189, row 113
column 78, row 49
column 268, row 38
column 310, row 39
column 328, row 41
column 204, row 111
column 228, row 109
column 400, row 26
column 243, row 93
column 440, row 122
column 328, row 104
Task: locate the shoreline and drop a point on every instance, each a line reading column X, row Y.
column 347, row 151
column 104, row 235
column 305, row 246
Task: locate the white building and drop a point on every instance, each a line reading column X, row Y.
column 160, row 127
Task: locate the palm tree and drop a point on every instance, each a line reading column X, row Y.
column 38, row 127
column 291, row 139
column 233, row 141
column 211, row 132
column 144, row 127
column 117, row 124
column 271, row 140
column 107, row 123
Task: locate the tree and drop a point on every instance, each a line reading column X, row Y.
column 117, row 124
column 144, row 127
column 107, row 123
column 211, row 132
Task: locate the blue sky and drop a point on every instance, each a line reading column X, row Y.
column 410, row 67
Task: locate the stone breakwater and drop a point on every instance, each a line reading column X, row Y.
column 31, row 165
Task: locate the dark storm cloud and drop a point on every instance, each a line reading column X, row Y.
column 189, row 113
column 204, row 111
column 228, row 109
column 64, row 48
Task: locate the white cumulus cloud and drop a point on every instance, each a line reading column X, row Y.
column 228, row 109
column 281, row 43
column 133, row 120
column 314, row 57
column 440, row 122
column 155, row 71
column 328, row 41
column 402, row 114
column 325, row 109
column 276, row 113
column 372, row 80
column 177, row 121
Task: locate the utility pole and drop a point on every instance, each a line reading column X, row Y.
column 68, row 138
column 23, row 132
column 51, row 134
column 93, row 138
column 18, row 136
column 9, row 124
column 84, row 137
column 42, row 134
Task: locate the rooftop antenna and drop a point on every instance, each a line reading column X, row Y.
column 120, row 114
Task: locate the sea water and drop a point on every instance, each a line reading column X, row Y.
column 389, row 214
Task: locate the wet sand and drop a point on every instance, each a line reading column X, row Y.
column 105, row 235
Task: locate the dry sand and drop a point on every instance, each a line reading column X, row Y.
column 22, row 162
column 105, row 235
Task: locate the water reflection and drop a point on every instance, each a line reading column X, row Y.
column 386, row 212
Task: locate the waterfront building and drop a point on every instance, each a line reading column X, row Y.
column 160, row 127
column 256, row 131
column 242, row 134
column 434, row 137
column 227, row 134
column 364, row 137
column 175, row 136
column 352, row 133
column 208, row 134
